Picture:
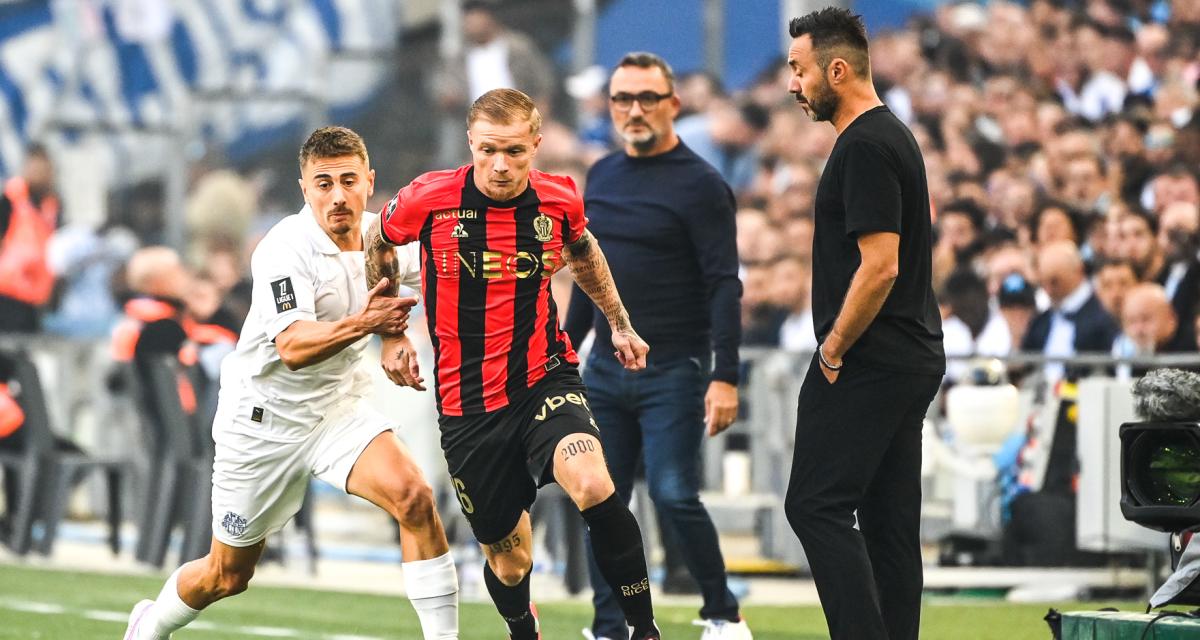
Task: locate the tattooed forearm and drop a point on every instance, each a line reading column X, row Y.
column 591, row 272
column 381, row 261
column 507, row 544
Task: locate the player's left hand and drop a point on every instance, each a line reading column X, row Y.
column 631, row 349
column 399, row 361
column 720, row 406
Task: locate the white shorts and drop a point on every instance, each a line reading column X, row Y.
column 258, row 484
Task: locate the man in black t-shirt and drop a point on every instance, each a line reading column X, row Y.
column 880, row 359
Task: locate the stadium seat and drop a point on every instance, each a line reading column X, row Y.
column 183, row 474
column 49, row 469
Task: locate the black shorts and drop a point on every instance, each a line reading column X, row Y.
column 498, row 460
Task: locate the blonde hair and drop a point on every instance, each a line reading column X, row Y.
column 505, row 106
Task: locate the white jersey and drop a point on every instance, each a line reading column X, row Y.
column 300, row 274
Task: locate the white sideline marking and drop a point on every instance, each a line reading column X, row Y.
column 119, row 617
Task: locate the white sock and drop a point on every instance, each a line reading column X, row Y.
column 168, row 614
column 432, row 587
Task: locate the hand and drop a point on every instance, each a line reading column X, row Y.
column 384, row 314
column 399, row 362
column 720, row 406
column 631, row 349
column 830, row 374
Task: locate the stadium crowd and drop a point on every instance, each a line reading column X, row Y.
column 1058, row 136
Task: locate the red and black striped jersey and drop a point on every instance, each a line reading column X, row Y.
column 485, row 276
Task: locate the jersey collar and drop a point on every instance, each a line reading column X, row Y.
column 320, row 240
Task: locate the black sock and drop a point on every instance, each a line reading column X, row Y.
column 512, row 603
column 617, row 547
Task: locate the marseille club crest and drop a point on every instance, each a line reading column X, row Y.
column 543, row 228
column 234, row 524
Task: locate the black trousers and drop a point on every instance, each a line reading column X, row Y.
column 858, row 448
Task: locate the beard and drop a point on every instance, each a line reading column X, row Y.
column 1182, row 246
column 823, row 102
column 643, row 141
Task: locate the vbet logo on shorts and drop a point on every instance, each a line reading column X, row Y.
column 234, row 524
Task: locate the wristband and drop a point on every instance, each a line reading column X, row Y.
column 821, row 357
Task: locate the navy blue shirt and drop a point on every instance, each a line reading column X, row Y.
column 666, row 225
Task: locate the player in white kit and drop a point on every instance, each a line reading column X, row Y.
column 292, row 402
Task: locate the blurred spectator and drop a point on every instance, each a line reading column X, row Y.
column 219, row 212
column 1112, row 280
column 697, row 91
column 757, row 239
column 1148, row 326
column 762, row 316
column 1017, row 305
column 28, row 216
column 494, row 57
column 1076, row 322
column 592, row 123
column 1137, row 244
column 793, row 281
column 1085, row 184
column 1177, row 184
column 959, row 230
column 1055, row 222
column 1179, row 239
column 85, row 264
column 970, row 327
column 726, row 137
column 158, row 320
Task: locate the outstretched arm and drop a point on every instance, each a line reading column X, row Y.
column 593, row 276
column 307, row 342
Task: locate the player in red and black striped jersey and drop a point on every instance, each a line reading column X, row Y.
column 513, row 412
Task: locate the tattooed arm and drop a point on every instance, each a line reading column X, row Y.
column 381, row 260
column 398, row 356
column 592, row 275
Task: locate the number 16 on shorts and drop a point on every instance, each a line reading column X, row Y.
column 461, row 490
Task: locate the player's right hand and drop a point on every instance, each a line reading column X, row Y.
column 399, row 361
column 385, row 314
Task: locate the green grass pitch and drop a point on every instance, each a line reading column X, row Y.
column 59, row 605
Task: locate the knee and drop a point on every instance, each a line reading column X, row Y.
column 799, row 508
column 412, row 504
column 674, row 495
column 512, row 568
column 592, row 488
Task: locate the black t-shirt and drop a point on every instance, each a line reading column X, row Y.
column 875, row 181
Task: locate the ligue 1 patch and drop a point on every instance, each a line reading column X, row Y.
column 234, row 524
column 256, row 414
column 543, row 228
column 284, row 294
column 552, row 364
column 391, row 207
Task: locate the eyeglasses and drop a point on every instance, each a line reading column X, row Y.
column 648, row 99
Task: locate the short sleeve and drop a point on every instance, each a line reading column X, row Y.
column 283, row 289
column 409, row 257
column 403, row 216
column 870, row 190
column 576, row 220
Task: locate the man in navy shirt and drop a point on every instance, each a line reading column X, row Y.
column 666, row 220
